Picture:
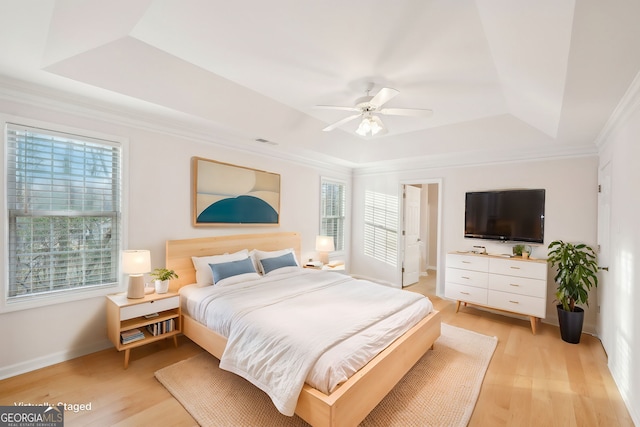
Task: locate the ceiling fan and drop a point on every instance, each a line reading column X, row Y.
column 368, row 107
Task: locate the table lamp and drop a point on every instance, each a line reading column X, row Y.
column 135, row 263
column 324, row 245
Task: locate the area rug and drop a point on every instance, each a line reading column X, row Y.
column 440, row 390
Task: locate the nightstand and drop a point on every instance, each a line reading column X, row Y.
column 135, row 322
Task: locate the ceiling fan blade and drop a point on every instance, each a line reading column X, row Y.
column 384, row 96
column 336, row 107
column 340, row 122
column 411, row 112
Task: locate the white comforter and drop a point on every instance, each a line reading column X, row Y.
column 278, row 326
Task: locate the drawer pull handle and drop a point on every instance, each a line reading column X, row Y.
column 466, row 262
column 514, row 284
column 465, row 277
column 514, row 267
column 464, row 293
column 514, row 302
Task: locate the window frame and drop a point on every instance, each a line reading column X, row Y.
column 323, row 180
column 66, row 295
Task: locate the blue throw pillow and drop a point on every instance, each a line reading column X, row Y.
column 232, row 268
column 270, row 264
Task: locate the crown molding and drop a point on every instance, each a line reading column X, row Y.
column 476, row 158
column 169, row 122
column 628, row 105
column 162, row 120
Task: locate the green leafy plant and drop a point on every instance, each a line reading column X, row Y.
column 577, row 272
column 163, row 274
column 517, row 250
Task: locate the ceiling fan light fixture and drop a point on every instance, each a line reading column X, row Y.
column 376, row 125
column 364, row 128
column 369, row 125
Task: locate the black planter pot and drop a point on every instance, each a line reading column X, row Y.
column 570, row 324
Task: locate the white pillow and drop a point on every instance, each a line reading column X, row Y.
column 258, row 255
column 204, row 276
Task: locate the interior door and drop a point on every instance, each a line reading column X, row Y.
column 604, row 224
column 411, row 264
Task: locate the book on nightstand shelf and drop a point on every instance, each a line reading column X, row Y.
column 130, row 336
column 160, row 328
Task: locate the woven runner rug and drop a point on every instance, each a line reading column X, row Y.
column 440, row 390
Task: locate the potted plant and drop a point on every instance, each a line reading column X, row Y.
column 162, row 277
column 577, row 274
column 521, row 250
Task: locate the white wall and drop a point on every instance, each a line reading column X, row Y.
column 619, row 325
column 571, row 210
column 159, row 208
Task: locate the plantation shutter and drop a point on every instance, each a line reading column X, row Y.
column 381, row 227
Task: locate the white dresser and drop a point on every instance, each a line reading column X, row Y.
column 515, row 285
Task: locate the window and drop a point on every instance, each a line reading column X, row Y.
column 332, row 211
column 381, row 227
column 63, row 201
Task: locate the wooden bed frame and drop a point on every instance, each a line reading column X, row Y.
column 350, row 402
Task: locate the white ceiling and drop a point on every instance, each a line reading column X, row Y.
column 502, row 76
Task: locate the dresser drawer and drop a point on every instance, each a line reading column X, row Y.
column 466, row 293
column 518, row 285
column 468, row 262
column 467, row 277
column 137, row 310
column 531, row 269
column 521, row 304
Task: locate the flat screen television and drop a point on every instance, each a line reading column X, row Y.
column 506, row 215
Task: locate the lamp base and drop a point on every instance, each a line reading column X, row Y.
column 136, row 286
column 324, row 257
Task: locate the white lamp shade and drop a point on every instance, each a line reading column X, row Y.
column 325, row 244
column 136, row 261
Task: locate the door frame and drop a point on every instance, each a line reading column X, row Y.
column 440, row 276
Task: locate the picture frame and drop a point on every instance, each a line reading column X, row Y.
column 229, row 195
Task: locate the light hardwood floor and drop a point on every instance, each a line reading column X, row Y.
column 531, row 381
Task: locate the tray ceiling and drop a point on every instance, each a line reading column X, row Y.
column 500, row 75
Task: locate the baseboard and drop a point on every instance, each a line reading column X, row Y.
column 51, row 359
column 623, row 386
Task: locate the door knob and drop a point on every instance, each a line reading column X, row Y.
column 604, row 268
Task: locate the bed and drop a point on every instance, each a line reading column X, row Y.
column 353, row 399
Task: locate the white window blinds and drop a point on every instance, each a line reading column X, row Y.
column 332, row 211
column 63, row 201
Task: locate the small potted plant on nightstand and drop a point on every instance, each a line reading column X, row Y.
column 577, row 273
column 162, row 277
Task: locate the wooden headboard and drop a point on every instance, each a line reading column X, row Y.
column 179, row 252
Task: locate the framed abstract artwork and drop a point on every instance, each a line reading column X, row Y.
column 225, row 194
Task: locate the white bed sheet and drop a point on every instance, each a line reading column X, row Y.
column 336, row 364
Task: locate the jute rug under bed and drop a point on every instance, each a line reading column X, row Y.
column 440, row 390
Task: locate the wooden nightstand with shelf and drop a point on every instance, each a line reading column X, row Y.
column 127, row 314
